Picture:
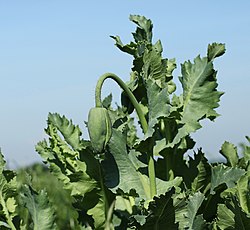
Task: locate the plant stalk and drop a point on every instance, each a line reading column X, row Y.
column 144, row 124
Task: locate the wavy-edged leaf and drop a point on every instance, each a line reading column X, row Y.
column 203, row 171
column 41, row 211
column 71, row 133
column 157, row 68
column 222, row 174
column 158, row 105
column 187, row 211
column 144, row 29
column 162, row 213
column 128, row 48
column 193, row 206
column 215, row 50
column 229, row 151
column 142, row 36
column 200, row 96
column 225, row 218
column 163, row 186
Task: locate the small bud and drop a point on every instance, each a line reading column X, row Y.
column 99, row 128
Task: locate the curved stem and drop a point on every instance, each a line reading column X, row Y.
column 144, row 124
column 131, row 96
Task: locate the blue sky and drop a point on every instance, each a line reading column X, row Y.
column 52, row 52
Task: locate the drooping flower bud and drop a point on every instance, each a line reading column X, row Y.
column 99, row 128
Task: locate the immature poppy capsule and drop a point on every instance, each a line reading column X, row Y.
column 99, row 128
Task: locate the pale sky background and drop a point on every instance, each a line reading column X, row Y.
column 52, row 53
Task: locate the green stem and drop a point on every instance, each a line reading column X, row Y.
column 144, row 124
column 169, row 158
column 131, row 96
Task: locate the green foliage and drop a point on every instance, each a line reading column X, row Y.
column 8, row 193
column 41, row 212
column 112, row 181
column 39, row 178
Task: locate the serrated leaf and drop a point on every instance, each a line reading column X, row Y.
column 163, row 186
column 187, row 211
column 158, row 105
column 106, row 103
column 193, row 206
column 155, row 67
column 229, row 151
column 225, row 218
column 215, row 50
column 223, row 174
column 144, row 29
column 202, row 177
column 70, row 132
column 162, row 213
column 129, row 48
column 42, row 213
column 200, row 96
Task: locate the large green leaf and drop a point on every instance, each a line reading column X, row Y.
column 158, row 105
column 122, row 168
column 200, row 96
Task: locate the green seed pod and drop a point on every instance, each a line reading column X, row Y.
column 99, row 128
